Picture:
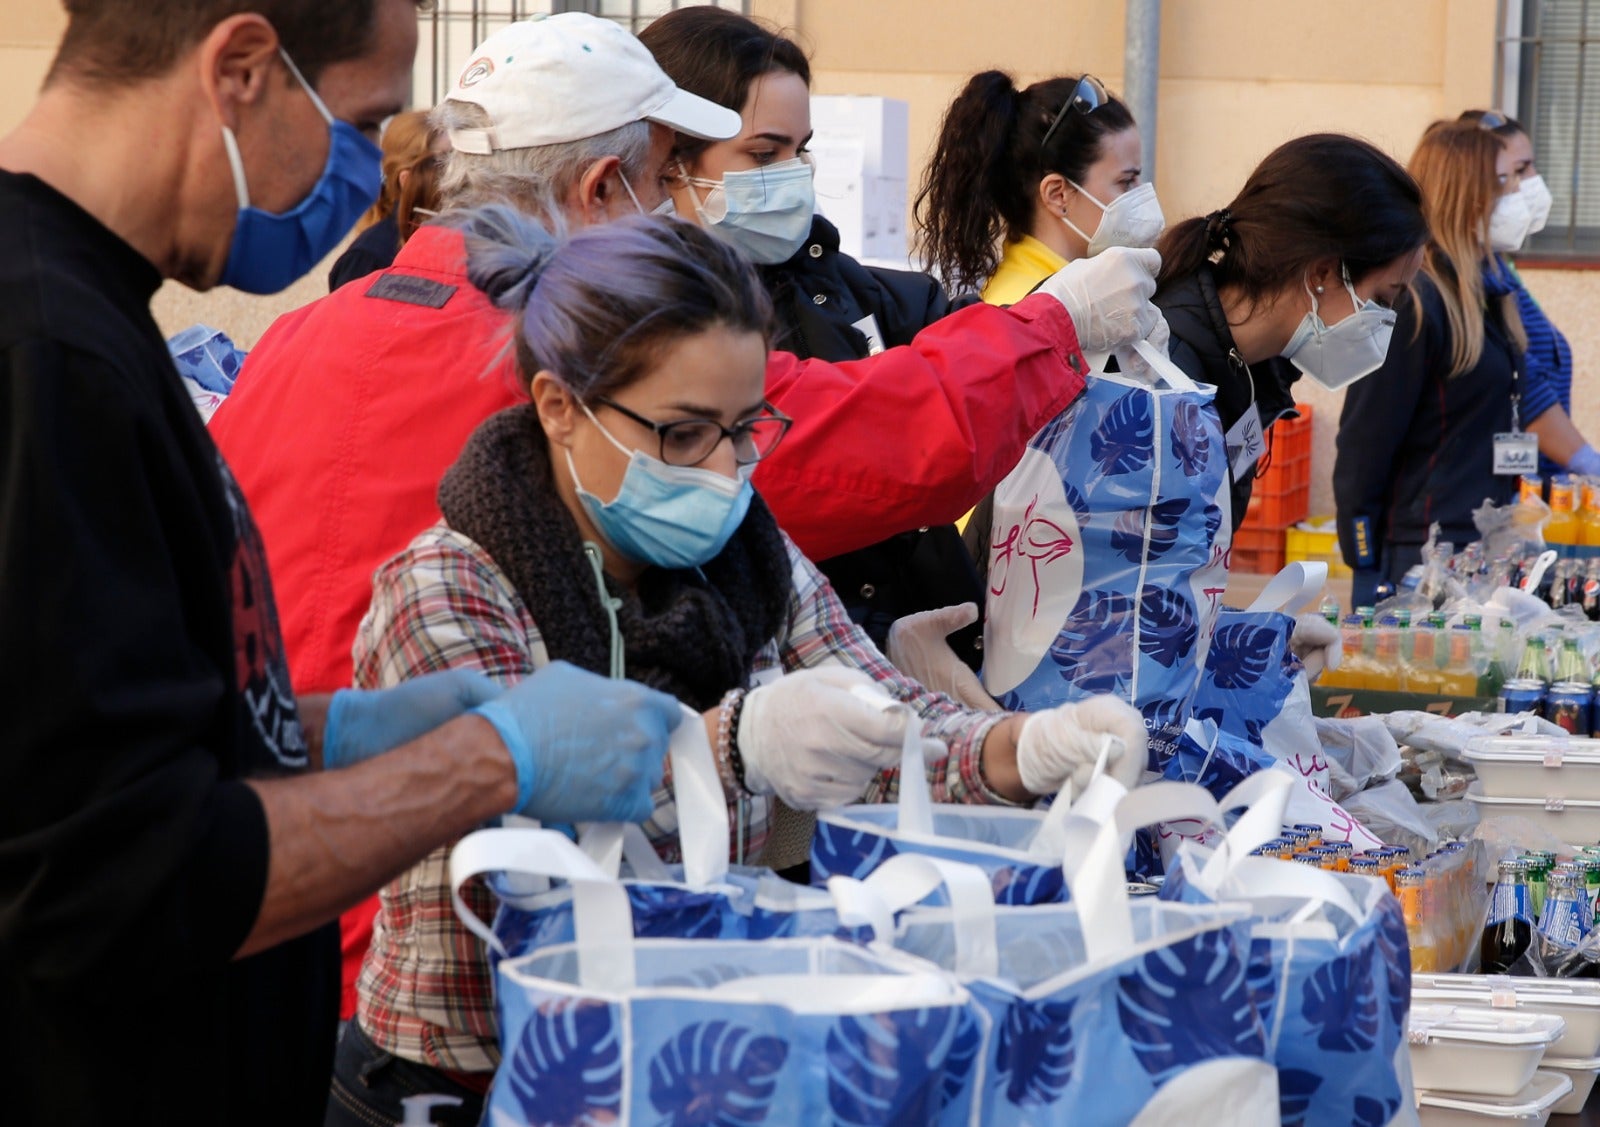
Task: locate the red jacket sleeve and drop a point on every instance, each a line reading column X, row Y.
column 917, row 435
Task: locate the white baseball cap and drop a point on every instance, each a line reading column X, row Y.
column 562, row 78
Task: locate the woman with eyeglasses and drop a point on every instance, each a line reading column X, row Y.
column 1024, row 181
column 610, row 522
column 1547, row 395
column 1422, row 442
column 1299, row 274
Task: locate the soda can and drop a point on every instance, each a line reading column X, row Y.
column 1525, row 695
column 1568, row 705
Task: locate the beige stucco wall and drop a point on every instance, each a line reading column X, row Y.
column 1237, row 78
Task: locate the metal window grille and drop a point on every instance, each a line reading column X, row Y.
column 1547, row 71
column 452, row 28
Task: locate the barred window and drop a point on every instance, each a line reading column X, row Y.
column 452, row 28
column 1547, row 73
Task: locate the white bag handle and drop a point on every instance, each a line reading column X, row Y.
column 1171, row 375
column 1292, row 588
column 908, row 878
column 702, row 810
column 602, row 918
column 1107, row 814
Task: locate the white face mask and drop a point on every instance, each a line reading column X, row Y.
column 1510, row 222
column 1537, row 195
column 765, row 212
column 1133, row 219
column 1338, row 355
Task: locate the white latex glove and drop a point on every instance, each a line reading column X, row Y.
column 1108, row 297
column 1133, row 364
column 1316, row 643
column 812, row 741
column 1064, row 742
column 918, row 647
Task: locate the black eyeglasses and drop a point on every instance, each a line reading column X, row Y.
column 1087, row 96
column 688, row 442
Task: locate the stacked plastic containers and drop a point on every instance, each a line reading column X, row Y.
column 1553, row 781
column 1506, row 1036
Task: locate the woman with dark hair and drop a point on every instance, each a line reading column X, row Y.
column 1050, row 173
column 1299, row 274
column 1546, row 402
column 755, row 192
column 610, row 522
column 1419, row 445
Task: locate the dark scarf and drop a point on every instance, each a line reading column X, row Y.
column 694, row 633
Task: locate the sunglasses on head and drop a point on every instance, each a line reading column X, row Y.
column 1087, row 96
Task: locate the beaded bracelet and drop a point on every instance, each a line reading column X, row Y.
column 728, row 740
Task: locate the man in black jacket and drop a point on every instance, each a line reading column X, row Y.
column 169, row 860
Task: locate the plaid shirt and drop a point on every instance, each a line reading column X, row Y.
column 425, row 991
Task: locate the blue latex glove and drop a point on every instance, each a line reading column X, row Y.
column 587, row 748
column 1586, row 462
column 364, row 723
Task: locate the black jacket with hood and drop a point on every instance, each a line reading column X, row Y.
column 1203, row 346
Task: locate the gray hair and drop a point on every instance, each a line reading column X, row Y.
column 534, row 180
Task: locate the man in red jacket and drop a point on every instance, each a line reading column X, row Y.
column 348, row 411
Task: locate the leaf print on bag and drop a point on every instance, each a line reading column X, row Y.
column 842, row 852
column 1162, row 518
column 1394, row 948
column 1374, row 1113
column 1240, row 654
column 1124, row 442
column 716, row 1074
column 1295, row 1089
column 566, row 1069
column 1262, row 980
column 1034, row 1051
column 1028, row 884
column 1095, row 646
column 675, row 913
column 1187, row 1003
column 1341, row 1004
column 1191, row 438
column 888, row 1068
column 1167, row 628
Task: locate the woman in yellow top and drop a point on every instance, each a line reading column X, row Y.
column 1053, row 170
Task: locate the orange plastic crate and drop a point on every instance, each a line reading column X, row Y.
column 1258, row 551
column 1281, row 496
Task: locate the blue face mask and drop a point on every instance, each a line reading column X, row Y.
column 672, row 516
column 270, row 252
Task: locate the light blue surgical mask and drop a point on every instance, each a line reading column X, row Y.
column 764, row 212
column 269, row 252
column 671, row 516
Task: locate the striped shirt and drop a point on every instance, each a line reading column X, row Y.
column 425, row 990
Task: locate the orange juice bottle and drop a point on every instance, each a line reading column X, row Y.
column 1422, row 673
column 1409, row 887
column 1589, row 517
column 1460, row 676
column 1563, row 526
column 1353, row 664
column 1387, row 674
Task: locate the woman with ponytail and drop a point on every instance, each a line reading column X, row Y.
column 1298, row 274
column 1418, row 446
column 1024, row 181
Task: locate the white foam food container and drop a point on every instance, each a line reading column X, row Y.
column 1573, row 821
column 1532, row 1106
column 1575, row 999
column 1477, row 1051
column 1581, row 1073
column 1536, row 767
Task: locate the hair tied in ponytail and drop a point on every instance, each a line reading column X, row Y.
column 1219, row 229
column 506, row 253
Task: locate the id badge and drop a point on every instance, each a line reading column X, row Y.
column 868, row 327
column 1246, row 443
column 1516, row 453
